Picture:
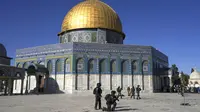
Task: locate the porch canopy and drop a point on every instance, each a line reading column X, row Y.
column 35, row 69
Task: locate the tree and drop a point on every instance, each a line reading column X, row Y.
column 174, row 69
column 184, row 79
column 175, row 75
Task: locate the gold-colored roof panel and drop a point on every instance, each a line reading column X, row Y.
column 92, row 14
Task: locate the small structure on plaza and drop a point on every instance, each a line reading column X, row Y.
column 194, row 81
column 9, row 73
column 43, row 83
column 91, row 50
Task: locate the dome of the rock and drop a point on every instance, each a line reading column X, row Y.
column 92, row 14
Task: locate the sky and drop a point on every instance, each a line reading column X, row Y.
column 171, row 26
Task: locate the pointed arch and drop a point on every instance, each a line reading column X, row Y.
column 25, row 65
column 41, row 62
column 145, row 66
column 113, row 66
column 2, row 73
column 80, row 65
column 50, row 66
column 134, row 67
column 134, row 70
column 91, row 79
column 124, row 70
column 79, row 69
column 58, row 66
column 19, row 65
column 124, row 66
column 144, row 69
column 91, row 66
column 67, row 66
column 102, row 66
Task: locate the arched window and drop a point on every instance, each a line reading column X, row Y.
column 41, row 63
column 145, row 66
column 196, row 82
column 103, row 65
column 80, row 65
column 91, row 66
column 18, row 74
column 34, row 62
column 191, row 82
column 113, row 66
column 58, row 66
column 19, row 65
column 25, row 65
column 124, row 66
column 2, row 73
column 67, row 65
column 50, row 66
column 134, row 67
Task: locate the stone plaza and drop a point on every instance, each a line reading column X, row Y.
column 84, row 102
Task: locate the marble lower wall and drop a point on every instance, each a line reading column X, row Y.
column 70, row 83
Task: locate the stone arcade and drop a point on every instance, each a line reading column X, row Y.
column 91, row 50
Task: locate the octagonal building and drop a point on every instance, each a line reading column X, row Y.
column 91, row 50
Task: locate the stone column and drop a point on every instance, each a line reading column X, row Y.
column 22, row 85
column 6, row 87
column 109, row 71
column 74, row 74
column 9, row 87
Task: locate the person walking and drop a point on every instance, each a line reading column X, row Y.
column 133, row 92
column 119, row 91
column 128, row 90
column 138, row 89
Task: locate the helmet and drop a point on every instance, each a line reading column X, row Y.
column 113, row 92
column 98, row 84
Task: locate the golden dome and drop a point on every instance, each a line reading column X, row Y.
column 92, row 14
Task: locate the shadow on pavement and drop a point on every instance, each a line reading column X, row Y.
column 130, row 109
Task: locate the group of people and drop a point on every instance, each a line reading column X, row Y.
column 131, row 92
column 112, row 98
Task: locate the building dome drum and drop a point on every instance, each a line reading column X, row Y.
column 195, row 75
column 3, row 51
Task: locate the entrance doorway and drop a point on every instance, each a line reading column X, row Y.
column 40, row 82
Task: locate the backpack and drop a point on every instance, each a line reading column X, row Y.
column 107, row 96
column 118, row 89
column 94, row 91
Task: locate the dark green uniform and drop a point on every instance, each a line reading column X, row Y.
column 97, row 92
column 133, row 92
column 111, row 101
column 119, row 90
column 138, row 89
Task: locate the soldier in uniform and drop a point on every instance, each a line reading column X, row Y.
column 133, row 92
column 111, row 100
column 138, row 89
column 119, row 90
column 97, row 92
column 129, row 90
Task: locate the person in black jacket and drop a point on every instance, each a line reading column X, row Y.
column 97, row 92
column 119, row 90
column 138, row 89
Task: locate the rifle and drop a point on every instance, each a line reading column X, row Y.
column 117, row 98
